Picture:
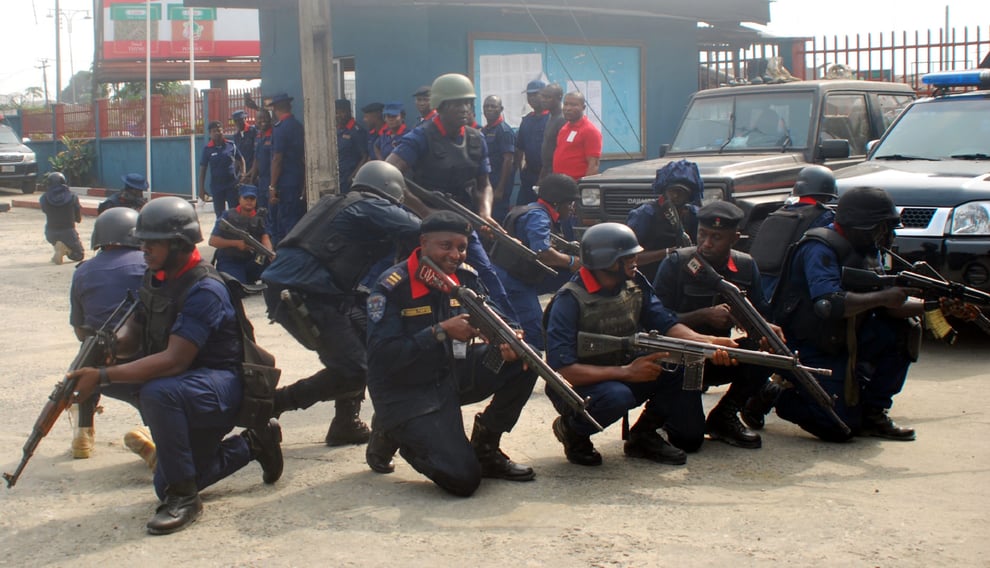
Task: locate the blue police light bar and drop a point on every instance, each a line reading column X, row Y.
column 971, row 78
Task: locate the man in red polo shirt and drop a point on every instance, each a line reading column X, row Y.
column 579, row 142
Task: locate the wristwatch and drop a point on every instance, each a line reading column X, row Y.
column 439, row 334
column 104, row 377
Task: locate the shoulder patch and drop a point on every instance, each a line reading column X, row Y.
column 467, row 268
column 376, row 307
column 392, row 279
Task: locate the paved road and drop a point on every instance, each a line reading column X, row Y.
column 796, row 501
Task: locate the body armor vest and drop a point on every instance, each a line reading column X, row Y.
column 450, row 167
column 611, row 315
column 526, row 272
column 692, row 295
column 346, row 260
column 253, row 225
column 162, row 304
column 663, row 233
column 782, row 228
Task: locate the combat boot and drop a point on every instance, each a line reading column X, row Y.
column 265, row 446
column 82, row 442
column 577, row 448
column 755, row 410
column 347, row 426
column 645, row 442
column 380, row 450
column 723, row 424
column 139, row 441
column 494, row 463
column 877, row 423
column 181, row 507
column 60, row 250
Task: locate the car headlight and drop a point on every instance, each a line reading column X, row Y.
column 30, row 158
column 971, row 219
column 711, row 195
column 591, row 197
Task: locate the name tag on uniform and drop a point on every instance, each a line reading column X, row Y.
column 572, row 135
column 413, row 312
column 460, row 349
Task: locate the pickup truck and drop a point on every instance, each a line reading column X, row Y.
column 751, row 141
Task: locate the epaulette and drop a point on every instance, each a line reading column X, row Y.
column 467, row 268
column 393, row 278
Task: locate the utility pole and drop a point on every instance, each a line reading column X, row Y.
column 58, row 55
column 316, row 59
column 44, row 75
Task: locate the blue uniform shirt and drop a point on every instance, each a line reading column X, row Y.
column 101, row 283
column 414, row 145
column 287, row 139
column 208, row 321
column 530, row 139
column 221, row 162
column 387, row 140
column 352, row 148
column 245, row 141
column 501, row 140
column 565, row 313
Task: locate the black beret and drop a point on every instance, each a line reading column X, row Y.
column 423, row 91
column 720, row 215
column 373, row 107
column 343, row 104
column 445, row 222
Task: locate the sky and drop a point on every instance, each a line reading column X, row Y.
column 29, row 33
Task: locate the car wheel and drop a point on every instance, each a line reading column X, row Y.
column 28, row 186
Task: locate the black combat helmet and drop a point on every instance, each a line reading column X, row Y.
column 168, row 218
column 815, row 181
column 603, row 244
column 55, row 179
column 381, row 178
column 116, row 227
column 865, row 208
column 558, row 188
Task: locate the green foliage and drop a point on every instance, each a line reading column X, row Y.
column 75, row 162
column 135, row 90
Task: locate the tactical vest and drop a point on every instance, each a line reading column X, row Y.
column 778, row 232
column 611, row 315
column 691, row 295
column 525, row 272
column 794, row 307
column 253, row 225
column 346, row 260
column 662, row 233
column 450, row 167
column 162, row 304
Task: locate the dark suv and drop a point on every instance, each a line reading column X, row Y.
column 18, row 165
column 751, row 141
column 935, row 163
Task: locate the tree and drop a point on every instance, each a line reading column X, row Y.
column 34, row 93
column 135, row 90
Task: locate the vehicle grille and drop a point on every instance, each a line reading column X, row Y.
column 11, row 158
column 618, row 202
column 916, row 218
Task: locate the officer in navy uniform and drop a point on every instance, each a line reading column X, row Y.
column 533, row 224
column 445, row 154
column 374, row 122
column 501, row 141
column 429, row 362
column 286, row 195
column 62, row 212
column 529, row 144
column 244, row 138
column 669, row 221
column 352, row 144
column 698, row 305
column 187, row 385
column 131, row 195
column 804, row 209
column 234, row 256
column 225, row 163
column 822, row 320
column 260, row 173
column 393, row 131
column 610, row 296
column 98, row 286
column 322, row 263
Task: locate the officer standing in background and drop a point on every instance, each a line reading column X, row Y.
column 233, row 255
column 244, row 138
column 667, row 223
column 374, row 122
column 99, row 285
column 352, row 144
column 321, row 264
column 529, row 144
column 62, row 212
column 131, row 195
column 188, row 384
column 424, row 106
column 225, row 162
column 609, row 296
column 532, row 225
column 260, row 173
column 551, row 98
column 805, row 209
column 698, row 306
column 447, row 155
column 286, row 195
column 428, row 363
column 393, row 131
column 501, row 142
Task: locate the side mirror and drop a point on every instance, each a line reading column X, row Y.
column 664, row 148
column 833, row 149
column 870, row 145
column 25, row 140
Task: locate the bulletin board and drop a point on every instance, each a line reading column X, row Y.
column 609, row 76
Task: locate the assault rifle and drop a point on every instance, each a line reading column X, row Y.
column 861, row 280
column 510, row 250
column 494, row 329
column 565, row 246
column 669, row 211
column 262, row 253
column 690, row 354
column 94, row 352
column 757, row 328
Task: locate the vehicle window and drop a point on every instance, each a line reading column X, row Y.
column 754, row 121
column 939, row 130
column 891, row 107
column 706, row 126
column 7, row 136
column 845, row 117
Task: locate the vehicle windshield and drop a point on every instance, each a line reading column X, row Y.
column 7, row 136
column 746, row 121
column 939, row 130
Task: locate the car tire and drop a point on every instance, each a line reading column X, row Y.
column 28, row 187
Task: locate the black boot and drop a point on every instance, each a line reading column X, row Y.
column 265, row 445
column 877, row 423
column 181, row 507
column 347, row 426
column 645, row 442
column 577, row 448
column 755, row 410
column 380, row 450
column 494, row 463
column 723, row 424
